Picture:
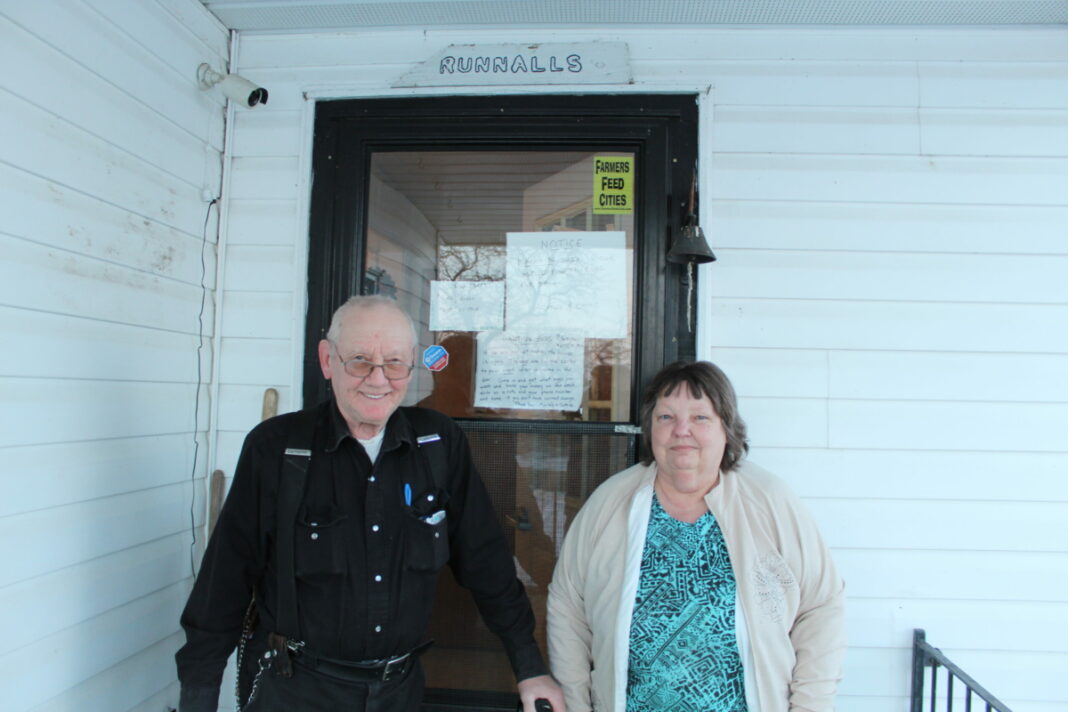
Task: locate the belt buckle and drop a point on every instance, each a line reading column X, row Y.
column 394, row 667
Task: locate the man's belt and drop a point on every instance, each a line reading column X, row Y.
column 382, row 669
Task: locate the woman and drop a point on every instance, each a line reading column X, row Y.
column 695, row 581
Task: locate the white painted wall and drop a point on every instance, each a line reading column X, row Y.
column 889, row 208
column 106, row 145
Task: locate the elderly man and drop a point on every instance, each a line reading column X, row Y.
column 337, row 523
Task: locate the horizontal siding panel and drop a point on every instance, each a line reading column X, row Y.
column 1024, row 85
column 317, row 49
column 101, row 584
column 920, row 179
column 902, row 473
column 966, row 526
column 789, row 83
column 264, row 222
column 261, row 315
column 837, row 43
column 875, row 672
column 780, row 422
column 38, row 477
column 52, row 82
column 113, row 54
column 964, row 625
column 241, row 407
column 262, row 268
column 57, row 410
column 53, row 148
column 265, row 178
column 62, row 282
column 916, row 326
column 152, row 25
column 144, row 682
column 773, row 373
column 196, row 20
column 995, row 133
column 890, row 276
column 967, row 575
column 806, row 130
column 228, row 449
column 62, row 660
column 867, row 703
column 42, row 211
column 94, row 349
column 259, row 362
column 264, row 134
column 974, row 229
column 1006, row 427
column 66, row 536
column 949, row 376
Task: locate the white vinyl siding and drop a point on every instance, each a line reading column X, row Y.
column 106, row 148
column 891, row 303
column 889, row 208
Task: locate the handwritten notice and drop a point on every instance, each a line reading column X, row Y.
column 529, row 371
column 577, row 279
column 466, row 306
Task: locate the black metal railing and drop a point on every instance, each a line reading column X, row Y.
column 925, row 655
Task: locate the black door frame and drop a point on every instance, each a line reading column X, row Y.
column 661, row 129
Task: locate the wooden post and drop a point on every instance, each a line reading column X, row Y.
column 218, row 483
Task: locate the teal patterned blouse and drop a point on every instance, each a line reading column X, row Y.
column 683, row 645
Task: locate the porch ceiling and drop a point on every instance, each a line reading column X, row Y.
column 308, row 15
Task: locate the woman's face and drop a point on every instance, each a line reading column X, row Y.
column 688, row 441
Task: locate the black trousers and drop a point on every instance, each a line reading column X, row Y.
column 310, row 690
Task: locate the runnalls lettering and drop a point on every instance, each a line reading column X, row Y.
column 515, row 64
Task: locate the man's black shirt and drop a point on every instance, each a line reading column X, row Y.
column 368, row 548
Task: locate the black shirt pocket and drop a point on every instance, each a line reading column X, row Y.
column 320, row 546
column 426, row 541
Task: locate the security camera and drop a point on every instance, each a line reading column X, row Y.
column 234, row 86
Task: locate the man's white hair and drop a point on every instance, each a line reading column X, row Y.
column 366, row 301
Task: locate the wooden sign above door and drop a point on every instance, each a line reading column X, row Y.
column 514, row 63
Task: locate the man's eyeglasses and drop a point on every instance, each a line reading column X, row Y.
column 359, row 367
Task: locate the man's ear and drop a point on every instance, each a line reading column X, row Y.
column 324, row 359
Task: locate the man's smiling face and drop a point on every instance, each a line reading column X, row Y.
column 380, row 334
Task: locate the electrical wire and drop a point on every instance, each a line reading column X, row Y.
column 199, row 384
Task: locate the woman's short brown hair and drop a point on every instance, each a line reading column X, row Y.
column 703, row 379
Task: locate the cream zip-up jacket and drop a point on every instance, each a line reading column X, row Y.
column 790, row 598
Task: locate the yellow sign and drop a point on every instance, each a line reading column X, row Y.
column 613, row 184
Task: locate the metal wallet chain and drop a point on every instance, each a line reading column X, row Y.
column 246, row 636
column 264, row 665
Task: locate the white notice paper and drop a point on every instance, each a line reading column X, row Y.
column 577, row 279
column 529, row 371
column 466, row 306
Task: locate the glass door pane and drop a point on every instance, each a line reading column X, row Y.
column 448, row 217
column 520, row 264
